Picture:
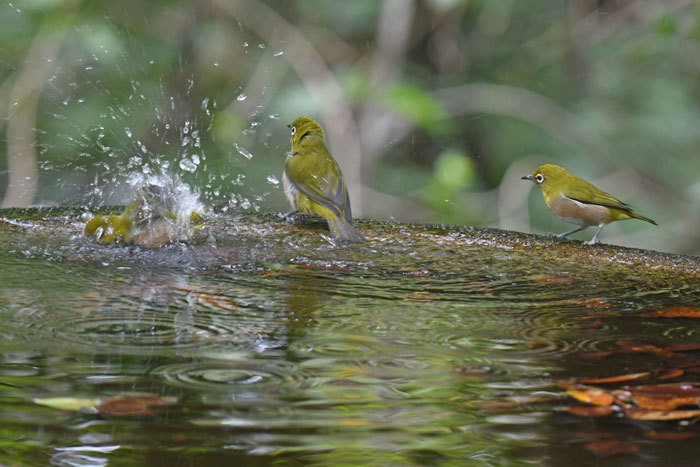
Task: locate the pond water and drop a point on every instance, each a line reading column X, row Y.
column 265, row 343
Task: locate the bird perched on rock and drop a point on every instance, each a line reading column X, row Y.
column 313, row 182
column 573, row 199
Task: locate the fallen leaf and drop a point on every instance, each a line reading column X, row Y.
column 664, row 397
column 674, row 312
column 630, row 346
column 672, row 373
column 590, row 395
column 594, row 302
column 683, row 347
column 618, row 379
column 132, row 405
column 595, row 355
column 611, row 448
column 597, row 411
column 658, row 415
column 71, row 404
column 668, row 435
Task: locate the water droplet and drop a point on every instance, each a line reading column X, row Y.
column 274, row 116
column 241, row 97
column 242, row 151
column 245, row 44
column 277, row 54
column 127, row 130
column 261, row 46
column 271, row 179
column 88, row 68
column 151, row 61
column 216, row 64
column 187, row 165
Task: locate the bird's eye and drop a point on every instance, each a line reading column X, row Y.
column 539, row 178
column 294, row 130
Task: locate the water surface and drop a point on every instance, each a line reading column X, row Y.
column 421, row 347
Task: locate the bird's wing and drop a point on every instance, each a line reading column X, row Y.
column 590, row 194
column 329, row 199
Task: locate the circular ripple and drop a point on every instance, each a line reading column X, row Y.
column 160, row 331
column 223, row 375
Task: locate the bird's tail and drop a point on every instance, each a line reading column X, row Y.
column 342, row 229
column 640, row 217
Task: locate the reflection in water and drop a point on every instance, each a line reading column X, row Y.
column 281, row 351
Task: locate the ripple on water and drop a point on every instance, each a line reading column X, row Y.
column 226, row 375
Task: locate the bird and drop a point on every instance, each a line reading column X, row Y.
column 573, row 199
column 313, row 182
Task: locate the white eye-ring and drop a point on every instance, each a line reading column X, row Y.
column 539, row 178
column 294, row 130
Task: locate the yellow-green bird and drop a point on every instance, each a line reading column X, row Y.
column 573, row 199
column 313, row 182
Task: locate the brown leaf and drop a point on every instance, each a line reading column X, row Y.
column 590, row 395
column 668, row 435
column 594, row 355
column 664, row 397
column 674, row 312
column 683, row 347
column 658, row 415
column 630, row 346
column 611, row 448
column 597, row 411
column 618, row 379
column 131, row 405
column 672, row 373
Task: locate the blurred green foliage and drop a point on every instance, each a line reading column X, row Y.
column 450, row 102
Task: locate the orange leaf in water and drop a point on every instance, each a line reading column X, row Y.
column 674, row 312
column 597, row 411
column 595, row 355
column 630, row 346
column 668, row 435
column 590, row 395
column 618, row 379
column 659, row 415
column 683, row 347
column 135, row 405
column 611, row 448
column 595, row 302
column 668, row 374
column 665, row 397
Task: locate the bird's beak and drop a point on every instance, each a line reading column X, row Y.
column 527, row 177
column 289, row 126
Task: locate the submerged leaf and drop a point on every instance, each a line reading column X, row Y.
column 674, row 312
column 618, row 379
column 71, row 404
column 668, row 435
column 597, row 411
column 658, row 415
column 132, row 405
column 665, row 397
column 591, row 395
column 611, row 448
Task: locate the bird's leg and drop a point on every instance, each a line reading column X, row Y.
column 563, row 235
column 595, row 237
